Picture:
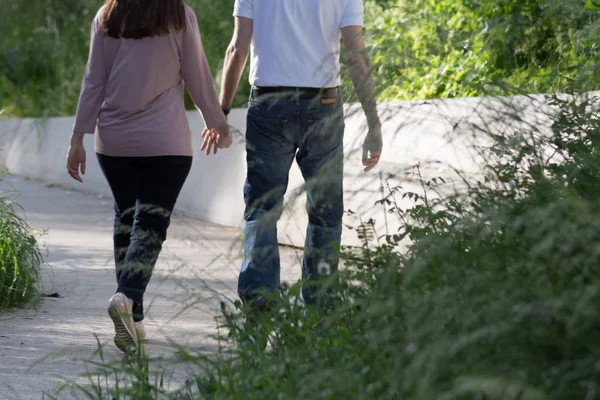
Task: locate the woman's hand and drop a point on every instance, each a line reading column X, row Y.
column 217, row 138
column 76, row 157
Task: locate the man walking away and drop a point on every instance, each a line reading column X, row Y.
column 295, row 112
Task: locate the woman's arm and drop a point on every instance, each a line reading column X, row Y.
column 94, row 82
column 197, row 76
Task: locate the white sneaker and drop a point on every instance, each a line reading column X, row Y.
column 120, row 311
column 140, row 330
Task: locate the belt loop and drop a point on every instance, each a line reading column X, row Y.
column 297, row 96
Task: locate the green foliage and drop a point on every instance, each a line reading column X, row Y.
column 495, row 296
column 20, row 258
column 45, row 48
column 421, row 49
column 456, row 48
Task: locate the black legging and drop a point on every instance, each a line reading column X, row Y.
column 145, row 190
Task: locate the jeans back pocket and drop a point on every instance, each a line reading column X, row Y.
column 325, row 134
column 265, row 135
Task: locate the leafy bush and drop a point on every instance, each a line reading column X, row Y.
column 43, row 56
column 456, row 48
column 495, row 296
column 20, row 258
column 421, row 49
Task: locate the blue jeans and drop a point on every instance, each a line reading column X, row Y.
column 279, row 130
column 145, row 190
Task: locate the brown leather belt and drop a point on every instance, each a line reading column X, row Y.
column 305, row 93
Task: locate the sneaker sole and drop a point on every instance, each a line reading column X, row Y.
column 123, row 338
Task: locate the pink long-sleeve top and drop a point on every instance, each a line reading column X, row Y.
column 133, row 91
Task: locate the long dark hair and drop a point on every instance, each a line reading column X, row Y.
column 136, row 19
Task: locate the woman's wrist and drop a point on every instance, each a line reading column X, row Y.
column 77, row 138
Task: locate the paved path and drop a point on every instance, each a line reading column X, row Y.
column 39, row 348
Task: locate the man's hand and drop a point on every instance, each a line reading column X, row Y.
column 372, row 148
column 217, row 138
column 361, row 73
column 76, row 157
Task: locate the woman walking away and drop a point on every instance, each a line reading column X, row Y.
column 142, row 53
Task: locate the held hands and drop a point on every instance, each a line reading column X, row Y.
column 76, row 157
column 372, row 147
column 217, row 138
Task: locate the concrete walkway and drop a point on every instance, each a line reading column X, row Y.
column 40, row 348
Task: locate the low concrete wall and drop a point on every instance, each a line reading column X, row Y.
column 38, row 149
column 443, row 135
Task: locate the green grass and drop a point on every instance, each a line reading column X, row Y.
column 20, row 258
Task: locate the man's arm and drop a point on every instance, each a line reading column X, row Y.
column 362, row 77
column 235, row 60
column 359, row 67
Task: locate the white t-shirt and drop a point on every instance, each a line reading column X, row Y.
column 297, row 42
